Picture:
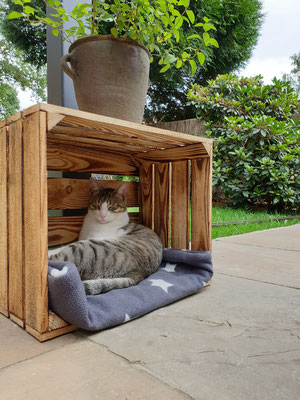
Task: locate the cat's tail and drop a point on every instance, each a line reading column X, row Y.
column 101, row 285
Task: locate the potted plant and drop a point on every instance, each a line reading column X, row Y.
column 111, row 72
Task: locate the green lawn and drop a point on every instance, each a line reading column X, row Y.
column 225, row 214
column 220, row 214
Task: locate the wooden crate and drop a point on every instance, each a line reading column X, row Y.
column 174, row 173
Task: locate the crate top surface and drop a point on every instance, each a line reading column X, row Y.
column 67, row 126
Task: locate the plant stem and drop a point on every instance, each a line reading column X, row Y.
column 94, row 17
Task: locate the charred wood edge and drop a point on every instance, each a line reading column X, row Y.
column 255, row 220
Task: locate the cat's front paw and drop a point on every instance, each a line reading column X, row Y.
column 87, row 287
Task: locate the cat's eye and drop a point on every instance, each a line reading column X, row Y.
column 95, row 206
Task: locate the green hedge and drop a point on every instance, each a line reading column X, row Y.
column 256, row 149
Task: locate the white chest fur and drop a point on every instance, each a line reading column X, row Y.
column 93, row 229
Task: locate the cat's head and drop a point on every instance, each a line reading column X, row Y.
column 107, row 205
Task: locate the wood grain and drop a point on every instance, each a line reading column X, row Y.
column 3, row 224
column 162, row 202
column 96, row 143
column 180, row 205
column 15, row 222
column 53, row 119
column 189, row 152
column 155, row 143
column 201, row 200
column 146, row 194
column 17, row 320
column 63, row 230
column 50, row 334
column 79, row 159
column 35, row 221
column 66, row 193
column 112, row 125
column 55, row 322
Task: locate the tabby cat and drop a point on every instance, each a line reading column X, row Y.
column 111, row 253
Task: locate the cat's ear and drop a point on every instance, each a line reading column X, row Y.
column 94, row 187
column 123, row 190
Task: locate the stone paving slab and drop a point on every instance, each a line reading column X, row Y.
column 238, row 339
column 16, row 345
column 275, row 266
column 286, row 238
column 80, row 371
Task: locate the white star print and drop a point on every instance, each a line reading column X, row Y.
column 161, row 283
column 127, row 318
column 169, row 267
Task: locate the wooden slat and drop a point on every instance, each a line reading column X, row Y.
column 35, row 222
column 157, row 143
column 3, row 224
column 53, row 119
column 180, row 205
column 192, row 151
column 15, row 231
column 130, row 129
column 162, row 202
column 111, row 125
column 63, row 230
column 50, row 334
column 96, row 143
column 17, row 320
column 201, row 201
column 55, row 322
column 71, row 158
column 146, row 194
column 64, row 193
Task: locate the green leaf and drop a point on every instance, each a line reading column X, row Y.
column 55, row 32
column 185, row 55
column 206, row 38
column 178, row 22
column 179, row 63
column 214, row 42
column 114, row 32
column 191, row 15
column 15, row 14
column 194, row 36
column 208, row 27
column 201, row 58
column 29, row 10
column 169, row 59
column 165, row 68
column 177, row 35
column 19, row 2
column 185, row 3
column 194, row 66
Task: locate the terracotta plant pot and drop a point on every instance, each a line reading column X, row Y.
column 110, row 76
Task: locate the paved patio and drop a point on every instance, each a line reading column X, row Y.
column 238, row 339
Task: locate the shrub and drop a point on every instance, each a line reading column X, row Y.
column 256, row 148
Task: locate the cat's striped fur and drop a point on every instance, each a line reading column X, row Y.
column 113, row 253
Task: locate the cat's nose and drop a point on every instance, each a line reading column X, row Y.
column 102, row 214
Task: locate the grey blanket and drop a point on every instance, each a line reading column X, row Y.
column 181, row 274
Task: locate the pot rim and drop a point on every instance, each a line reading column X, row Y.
column 94, row 38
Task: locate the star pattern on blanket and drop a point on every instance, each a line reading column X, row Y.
column 169, row 267
column 164, row 285
column 127, row 318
